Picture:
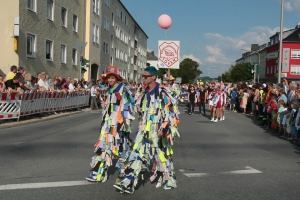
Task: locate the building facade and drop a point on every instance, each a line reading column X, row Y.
column 41, row 35
column 44, row 36
column 152, row 59
column 124, row 43
column 290, row 55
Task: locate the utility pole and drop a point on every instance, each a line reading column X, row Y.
column 280, row 43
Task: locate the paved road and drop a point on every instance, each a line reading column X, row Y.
column 233, row 159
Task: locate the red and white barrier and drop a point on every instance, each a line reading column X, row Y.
column 32, row 103
column 10, row 105
column 14, row 105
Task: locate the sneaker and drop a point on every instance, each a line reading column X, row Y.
column 129, row 190
column 216, row 120
column 92, row 177
column 212, row 119
column 190, row 113
column 223, row 118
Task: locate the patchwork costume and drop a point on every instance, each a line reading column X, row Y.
column 114, row 141
column 154, row 141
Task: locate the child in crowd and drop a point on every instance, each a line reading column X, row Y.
column 293, row 115
column 233, row 100
column 285, row 122
column 272, row 108
column 280, row 115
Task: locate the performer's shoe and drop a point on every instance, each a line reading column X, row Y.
column 92, row 177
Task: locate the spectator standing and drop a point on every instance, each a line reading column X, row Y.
column 233, row 99
column 202, row 99
column 13, row 85
column 21, row 73
column 10, row 75
column 245, row 101
column 42, row 84
column 94, row 105
column 192, row 99
column 71, row 85
column 282, row 96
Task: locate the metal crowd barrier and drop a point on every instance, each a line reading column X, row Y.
column 13, row 105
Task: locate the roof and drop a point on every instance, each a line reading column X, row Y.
column 151, row 56
column 132, row 18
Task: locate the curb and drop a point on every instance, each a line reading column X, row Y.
column 42, row 119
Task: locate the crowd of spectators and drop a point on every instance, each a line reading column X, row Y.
column 19, row 81
column 275, row 106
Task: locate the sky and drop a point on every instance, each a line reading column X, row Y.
column 213, row 32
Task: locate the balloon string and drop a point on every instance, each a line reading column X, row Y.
column 166, row 34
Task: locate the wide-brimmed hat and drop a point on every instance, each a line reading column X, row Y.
column 112, row 70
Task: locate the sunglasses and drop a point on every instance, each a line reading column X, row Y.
column 146, row 76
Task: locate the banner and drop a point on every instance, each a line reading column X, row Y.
column 286, row 60
column 168, row 54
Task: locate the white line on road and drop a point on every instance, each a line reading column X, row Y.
column 43, row 185
column 248, row 170
column 193, row 175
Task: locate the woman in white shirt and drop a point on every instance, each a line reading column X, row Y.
column 71, row 85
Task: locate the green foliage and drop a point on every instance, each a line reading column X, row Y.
column 236, row 73
column 188, row 70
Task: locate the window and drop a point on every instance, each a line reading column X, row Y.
column 107, row 2
column 295, row 53
column 31, row 45
column 74, row 56
column 49, row 50
column 105, row 48
column 96, row 4
column 95, row 33
column 271, row 70
column 64, row 17
column 118, row 12
column 75, row 23
column 295, row 69
column 125, row 57
column 106, row 23
column 63, row 51
column 31, row 5
column 117, row 32
column 117, row 52
column 49, row 11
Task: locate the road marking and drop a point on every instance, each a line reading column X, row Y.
column 248, row 170
column 193, row 175
column 43, row 185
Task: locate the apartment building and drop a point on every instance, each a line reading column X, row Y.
column 124, row 43
column 41, row 35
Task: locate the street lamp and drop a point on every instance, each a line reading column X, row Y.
column 255, row 66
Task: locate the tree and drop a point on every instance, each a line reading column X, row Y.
column 240, row 72
column 162, row 71
column 188, row 70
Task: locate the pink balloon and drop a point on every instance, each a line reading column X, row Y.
column 164, row 21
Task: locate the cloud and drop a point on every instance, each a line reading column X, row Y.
column 191, row 56
column 292, row 5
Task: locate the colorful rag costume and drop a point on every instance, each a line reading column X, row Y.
column 114, row 138
column 154, row 141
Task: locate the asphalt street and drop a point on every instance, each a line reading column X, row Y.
column 232, row 159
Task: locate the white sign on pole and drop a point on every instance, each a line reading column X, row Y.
column 168, row 54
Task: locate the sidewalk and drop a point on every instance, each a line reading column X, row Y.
column 39, row 118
